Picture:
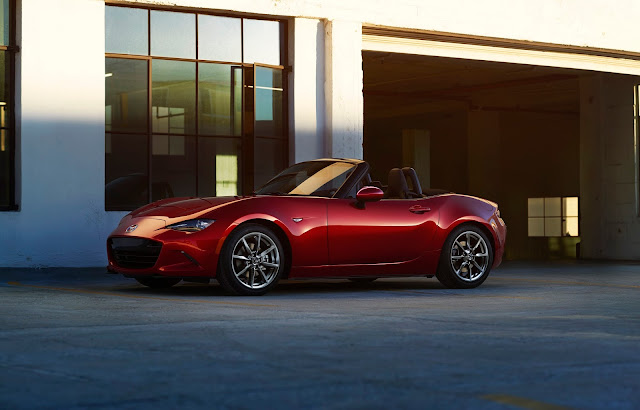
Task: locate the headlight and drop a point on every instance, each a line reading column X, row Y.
column 192, row 225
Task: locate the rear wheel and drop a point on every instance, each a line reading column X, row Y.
column 158, row 283
column 466, row 258
column 251, row 261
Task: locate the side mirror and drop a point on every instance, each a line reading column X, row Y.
column 369, row 194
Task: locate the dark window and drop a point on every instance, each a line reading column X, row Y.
column 220, row 99
column 173, row 99
column 127, row 178
column 194, row 105
column 126, row 95
column 7, row 136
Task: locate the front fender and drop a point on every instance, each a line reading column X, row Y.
column 247, row 218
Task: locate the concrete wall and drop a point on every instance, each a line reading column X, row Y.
column 448, row 160
column 608, row 173
column 539, row 157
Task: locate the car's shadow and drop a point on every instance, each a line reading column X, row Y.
column 291, row 287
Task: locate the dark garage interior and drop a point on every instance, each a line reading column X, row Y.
column 506, row 132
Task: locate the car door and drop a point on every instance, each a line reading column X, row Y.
column 386, row 231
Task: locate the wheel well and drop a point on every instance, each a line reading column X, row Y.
column 284, row 240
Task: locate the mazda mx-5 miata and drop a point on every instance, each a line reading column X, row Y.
column 323, row 218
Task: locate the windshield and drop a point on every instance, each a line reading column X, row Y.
column 314, row 178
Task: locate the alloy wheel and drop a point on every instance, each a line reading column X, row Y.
column 255, row 260
column 469, row 256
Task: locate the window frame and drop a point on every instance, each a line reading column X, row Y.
column 11, row 51
column 247, row 136
column 563, row 217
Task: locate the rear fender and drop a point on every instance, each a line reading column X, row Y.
column 461, row 209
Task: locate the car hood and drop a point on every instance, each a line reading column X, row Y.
column 176, row 207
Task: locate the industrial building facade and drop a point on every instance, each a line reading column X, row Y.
column 106, row 106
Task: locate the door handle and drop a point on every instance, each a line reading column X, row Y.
column 419, row 209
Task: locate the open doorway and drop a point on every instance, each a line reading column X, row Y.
column 505, row 132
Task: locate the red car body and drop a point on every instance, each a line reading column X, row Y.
column 322, row 236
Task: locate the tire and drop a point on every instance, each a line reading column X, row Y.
column 252, row 261
column 158, row 283
column 362, row 280
column 466, row 258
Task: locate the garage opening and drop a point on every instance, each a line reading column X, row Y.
column 505, row 132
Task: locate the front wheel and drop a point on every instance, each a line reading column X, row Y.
column 252, row 261
column 466, row 258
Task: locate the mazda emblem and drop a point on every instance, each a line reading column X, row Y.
column 131, row 228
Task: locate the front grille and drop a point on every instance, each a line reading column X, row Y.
column 134, row 253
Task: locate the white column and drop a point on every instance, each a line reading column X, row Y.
column 60, row 118
column 343, row 89
column 306, row 82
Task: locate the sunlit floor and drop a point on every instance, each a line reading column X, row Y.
column 533, row 336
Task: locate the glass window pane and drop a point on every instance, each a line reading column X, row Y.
column 219, row 38
column 5, row 95
column 261, row 41
column 269, row 160
column 536, row 226
column 570, row 226
column 268, row 102
column 173, row 97
column 553, row 226
column 173, row 165
column 5, row 14
column 536, row 206
column 126, row 175
column 219, row 166
column 126, row 30
column 126, row 98
column 173, row 34
column 5, row 168
column 220, row 99
column 570, row 206
column 552, row 207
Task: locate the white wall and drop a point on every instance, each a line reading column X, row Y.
column 593, row 23
column 344, row 100
column 61, row 133
column 306, row 86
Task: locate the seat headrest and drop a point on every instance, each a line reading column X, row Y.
column 413, row 177
column 397, row 184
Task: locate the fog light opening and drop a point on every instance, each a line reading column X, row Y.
column 186, row 255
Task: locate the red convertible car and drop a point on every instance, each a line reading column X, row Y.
column 322, row 218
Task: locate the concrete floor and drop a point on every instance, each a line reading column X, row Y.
column 535, row 336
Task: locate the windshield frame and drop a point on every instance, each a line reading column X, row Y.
column 360, row 168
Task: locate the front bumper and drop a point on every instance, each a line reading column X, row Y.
column 179, row 254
